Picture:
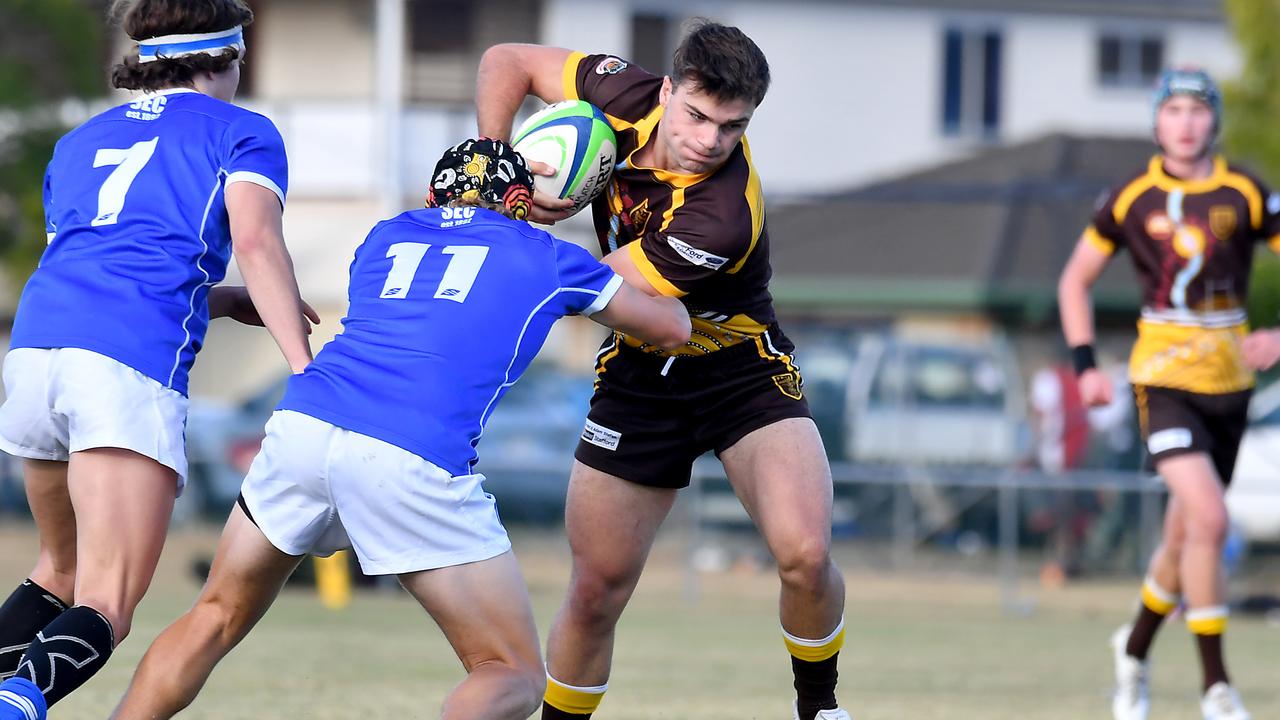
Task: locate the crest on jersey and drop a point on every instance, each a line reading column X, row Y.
column 639, row 216
column 789, row 384
column 1159, row 226
column 1222, row 221
column 611, row 66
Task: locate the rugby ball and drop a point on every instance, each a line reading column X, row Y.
column 575, row 138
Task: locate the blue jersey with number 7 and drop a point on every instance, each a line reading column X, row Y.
column 138, row 231
column 447, row 308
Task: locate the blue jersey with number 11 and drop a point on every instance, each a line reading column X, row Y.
column 138, row 229
column 448, row 307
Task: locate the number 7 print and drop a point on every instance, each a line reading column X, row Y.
column 129, row 162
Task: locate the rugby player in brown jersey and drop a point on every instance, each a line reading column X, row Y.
column 682, row 216
column 1191, row 222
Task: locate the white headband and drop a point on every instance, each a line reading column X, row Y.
column 173, row 46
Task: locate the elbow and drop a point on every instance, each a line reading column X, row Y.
column 1069, row 286
column 677, row 335
column 497, row 57
column 250, row 248
column 1072, row 293
column 248, row 245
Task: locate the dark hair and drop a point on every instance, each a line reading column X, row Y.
column 142, row 19
column 722, row 61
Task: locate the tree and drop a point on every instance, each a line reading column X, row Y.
column 1249, row 131
column 1253, row 100
column 50, row 50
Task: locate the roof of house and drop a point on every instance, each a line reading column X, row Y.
column 988, row 233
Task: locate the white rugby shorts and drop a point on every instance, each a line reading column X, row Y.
column 317, row 488
column 64, row 400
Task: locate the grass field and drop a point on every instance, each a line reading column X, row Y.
column 920, row 646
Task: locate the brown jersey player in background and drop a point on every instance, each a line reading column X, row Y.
column 1191, row 222
column 683, row 216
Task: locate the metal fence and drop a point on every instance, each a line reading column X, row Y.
column 907, row 507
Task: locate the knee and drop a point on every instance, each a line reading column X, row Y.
column 599, row 596
column 529, row 684
column 806, row 564
column 520, row 681
column 1208, row 526
column 214, row 622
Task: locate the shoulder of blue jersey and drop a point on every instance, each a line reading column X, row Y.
column 448, row 218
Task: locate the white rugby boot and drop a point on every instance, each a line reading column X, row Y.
column 1222, row 702
column 836, row 714
column 1132, row 698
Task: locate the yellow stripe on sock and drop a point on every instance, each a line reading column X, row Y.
column 570, row 699
column 1157, row 600
column 1211, row 621
column 810, row 651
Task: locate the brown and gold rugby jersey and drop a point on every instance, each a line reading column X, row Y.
column 701, row 238
column 1192, row 243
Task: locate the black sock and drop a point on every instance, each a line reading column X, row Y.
column 24, row 614
column 1215, row 670
column 67, row 652
column 550, row 712
column 815, row 685
column 1143, row 633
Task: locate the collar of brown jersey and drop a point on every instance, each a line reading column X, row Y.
column 1169, row 183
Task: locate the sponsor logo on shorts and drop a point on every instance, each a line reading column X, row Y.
column 611, row 66
column 789, row 384
column 601, row 436
column 1171, row 439
column 696, row 256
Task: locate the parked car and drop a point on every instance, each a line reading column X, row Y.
column 1253, row 499
column 935, row 400
column 222, row 440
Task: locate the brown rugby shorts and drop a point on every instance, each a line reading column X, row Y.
column 1177, row 422
column 652, row 415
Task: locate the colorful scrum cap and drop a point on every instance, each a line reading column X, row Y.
column 484, row 169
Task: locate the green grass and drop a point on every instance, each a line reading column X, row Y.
column 920, row 645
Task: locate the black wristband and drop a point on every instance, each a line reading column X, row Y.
column 1082, row 358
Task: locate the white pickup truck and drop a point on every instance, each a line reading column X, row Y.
column 1254, row 496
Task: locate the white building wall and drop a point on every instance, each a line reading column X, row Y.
column 313, row 49
column 1051, row 75
column 854, row 97
column 587, row 25
column 869, row 79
